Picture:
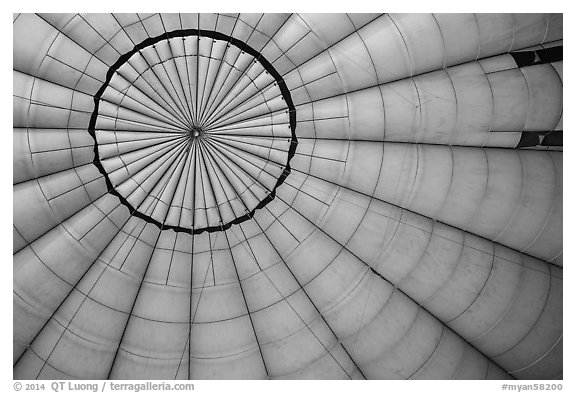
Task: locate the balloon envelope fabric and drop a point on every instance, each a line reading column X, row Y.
column 287, row 196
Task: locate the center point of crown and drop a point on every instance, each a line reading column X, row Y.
column 195, row 132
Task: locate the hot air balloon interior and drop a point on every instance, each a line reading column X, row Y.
column 287, row 196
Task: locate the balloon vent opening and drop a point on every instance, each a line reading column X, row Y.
column 194, row 130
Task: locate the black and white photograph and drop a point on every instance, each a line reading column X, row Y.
column 286, row 196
